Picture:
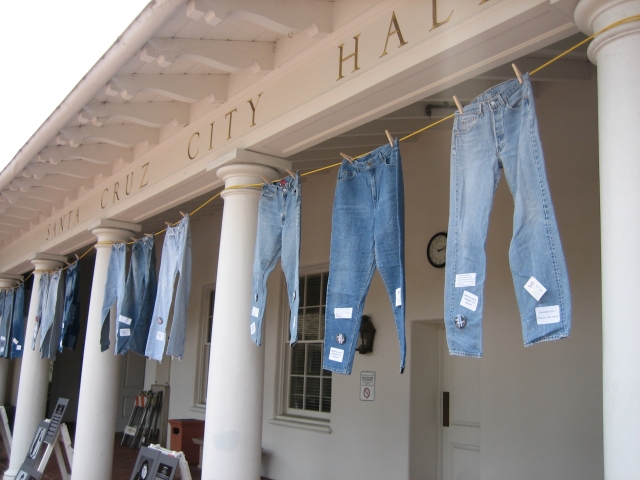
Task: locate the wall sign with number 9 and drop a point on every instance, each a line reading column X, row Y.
column 437, row 250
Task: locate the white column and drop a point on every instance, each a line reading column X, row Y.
column 617, row 55
column 34, row 375
column 98, row 401
column 233, row 428
column 5, row 362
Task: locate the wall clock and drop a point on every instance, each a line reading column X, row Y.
column 437, row 250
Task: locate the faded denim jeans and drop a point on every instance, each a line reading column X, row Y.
column 499, row 131
column 52, row 316
column 176, row 258
column 278, row 236
column 132, row 328
column 113, row 291
column 42, row 300
column 367, row 232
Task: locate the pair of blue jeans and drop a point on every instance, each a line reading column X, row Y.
column 71, row 315
column 278, row 236
column 43, row 291
column 367, row 232
column 53, row 310
column 6, row 310
column 132, row 329
column 499, row 130
column 176, row 258
column 17, row 324
column 113, row 290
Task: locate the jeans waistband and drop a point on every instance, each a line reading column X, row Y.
column 374, row 158
column 178, row 229
column 500, row 94
column 143, row 242
column 287, row 183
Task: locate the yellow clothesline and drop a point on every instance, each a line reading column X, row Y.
column 633, row 18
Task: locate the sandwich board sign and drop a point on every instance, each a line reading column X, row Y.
column 152, row 464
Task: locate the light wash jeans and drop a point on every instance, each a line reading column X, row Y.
column 176, row 258
column 132, row 329
column 278, row 237
column 113, row 290
column 499, row 130
column 71, row 315
column 6, row 311
column 52, row 316
column 42, row 300
column 367, row 232
column 17, row 324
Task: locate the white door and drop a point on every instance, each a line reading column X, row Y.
column 131, row 382
column 461, row 438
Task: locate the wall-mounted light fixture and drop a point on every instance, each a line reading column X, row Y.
column 367, row 334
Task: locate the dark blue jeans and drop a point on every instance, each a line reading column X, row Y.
column 133, row 324
column 42, row 300
column 113, row 290
column 52, row 317
column 17, row 324
column 71, row 316
column 367, row 232
column 5, row 320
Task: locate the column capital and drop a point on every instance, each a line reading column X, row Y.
column 113, row 230
column 593, row 15
column 46, row 261
column 245, row 174
column 8, row 282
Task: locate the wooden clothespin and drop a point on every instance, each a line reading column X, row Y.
column 455, row 99
column 168, row 224
column 268, row 182
column 77, row 257
column 134, row 239
column 518, row 74
column 389, row 137
column 68, row 264
column 346, row 157
column 291, row 174
column 183, row 214
column 148, row 235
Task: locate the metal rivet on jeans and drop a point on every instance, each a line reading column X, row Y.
column 460, row 321
column 160, row 320
column 340, row 338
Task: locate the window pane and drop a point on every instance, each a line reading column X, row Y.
column 326, row 395
column 211, row 303
column 325, row 280
column 302, row 288
column 297, row 359
column 313, row 290
column 312, row 394
column 314, row 358
column 300, row 324
column 311, row 324
column 296, row 392
column 321, row 326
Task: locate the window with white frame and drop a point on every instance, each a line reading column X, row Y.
column 307, row 386
column 205, row 343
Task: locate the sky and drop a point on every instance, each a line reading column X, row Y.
column 46, row 47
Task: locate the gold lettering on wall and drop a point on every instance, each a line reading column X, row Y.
column 127, row 185
column 119, row 194
column 65, row 222
column 483, row 1
column 230, row 115
column 253, row 109
column 116, row 186
column 191, row 157
column 396, row 31
column 143, row 182
column 342, row 58
column 211, row 136
column 437, row 24
column 103, row 202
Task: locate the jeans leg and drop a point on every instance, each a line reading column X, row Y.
column 140, row 325
column 291, row 257
column 114, row 289
column 389, row 239
column 475, row 173
column 535, row 254
column 17, row 324
column 351, row 266
column 267, row 251
column 42, row 300
column 175, row 347
column 5, row 322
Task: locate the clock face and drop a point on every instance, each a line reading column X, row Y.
column 437, row 250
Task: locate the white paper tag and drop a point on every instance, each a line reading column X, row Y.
column 466, row 280
column 253, row 328
column 336, row 354
column 545, row 315
column 19, row 347
column 15, row 340
column 343, row 313
column 3, row 338
column 160, row 336
column 255, row 311
column 125, row 320
column 129, row 430
column 398, row 297
column 535, row 288
column 469, row 300
column 125, row 332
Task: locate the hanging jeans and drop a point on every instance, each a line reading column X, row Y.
column 499, row 129
column 113, row 291
column 176, row 258
column 42, row 300
column 132, row 329
column 5, row 321
column 278, row 236
column 52, row 317
column 17, row 324
column 71, row 316
column 367, row 232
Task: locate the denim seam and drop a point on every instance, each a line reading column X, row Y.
column 465, row 354
column 547, row 338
